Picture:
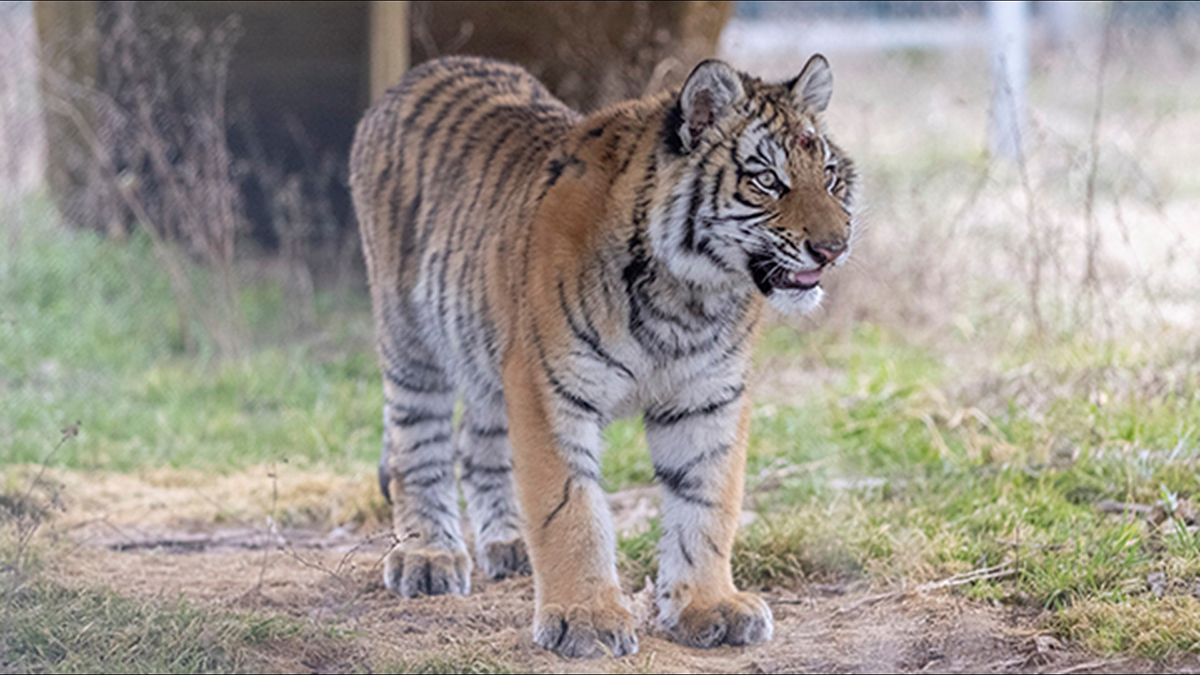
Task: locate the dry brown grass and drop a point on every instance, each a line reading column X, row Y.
column 1091, row 233
column 1154, row 629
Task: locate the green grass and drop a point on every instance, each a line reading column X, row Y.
column 919, row 458
column 51, row 628
column 89, row 332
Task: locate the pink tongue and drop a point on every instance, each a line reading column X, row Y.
column 806, row 278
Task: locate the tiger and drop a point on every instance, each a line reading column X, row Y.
column 546, row 272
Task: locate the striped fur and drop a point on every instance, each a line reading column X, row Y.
column 555, row 272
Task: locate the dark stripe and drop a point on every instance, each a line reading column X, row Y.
column 421, row 388
column 705, row 249
column 559, row 388
column 498, row 517
column 713, row 545
column 680, row 485
column 747, row 217
column 385, row 176
column 442, row 184
column 694, row 200
column 427, row 464
column 414, row 418
column 675, row 416
column 471, row 468
column 483, row 489
column 432, row 440
column 453, row 235
column 408, row 231
column 456, row 76
column 565, row 498
column 588, row 337
column 699, row 458
column 425, row 99
column 423, row 157
column 507, row 171
column 591, row 327
column 406, row 361
column 714, row 194
column 739, row 198
column 488, row 432
column 469, row 265
column 573, row 399
column 633, row 147
column 429, row 481
column 683, row 549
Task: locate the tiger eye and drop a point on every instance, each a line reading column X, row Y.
column 767, row 179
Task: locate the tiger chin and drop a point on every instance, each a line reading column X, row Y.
column 553, row 272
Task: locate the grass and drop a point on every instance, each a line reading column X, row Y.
column 89, row 332
column 468, row 659
column 913, row 459
column 1156, row 629
column 63, row 630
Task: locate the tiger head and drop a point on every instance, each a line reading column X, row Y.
column 753, row 190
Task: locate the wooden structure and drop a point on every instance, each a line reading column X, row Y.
column 321, row 63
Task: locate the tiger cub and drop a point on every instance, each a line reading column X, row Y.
column 557, row 271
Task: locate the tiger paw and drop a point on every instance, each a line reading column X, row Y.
column 427, row 572
column 737, row 620
column 503, row 559
column 601, row 628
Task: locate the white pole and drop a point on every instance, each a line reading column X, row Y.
column 1009, row 27
column 1064, row 18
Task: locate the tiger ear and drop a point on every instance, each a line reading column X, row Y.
column 709, row 93
column 813, row 87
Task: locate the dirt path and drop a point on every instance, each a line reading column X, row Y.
column 336, row 580
column 152, row 536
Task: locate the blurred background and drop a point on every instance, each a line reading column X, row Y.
column 180, row 273
column 1029, row 168
column 1031, row 160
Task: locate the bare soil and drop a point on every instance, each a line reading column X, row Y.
column 166, row 535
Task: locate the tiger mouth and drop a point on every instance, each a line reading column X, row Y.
column 769, row 275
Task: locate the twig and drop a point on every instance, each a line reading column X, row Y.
column 25, row 532
column 271, row 528
column 1091, row 279
column 1004, row 569
column 68, row 432
column 286, row 546
column 1090, row 665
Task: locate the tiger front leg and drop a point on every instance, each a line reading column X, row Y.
column 580, row 610
column 698, row 446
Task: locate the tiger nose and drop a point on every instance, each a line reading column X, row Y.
column 825, row 252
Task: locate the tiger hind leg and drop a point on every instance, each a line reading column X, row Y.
column 416, row 472
column 488, row 487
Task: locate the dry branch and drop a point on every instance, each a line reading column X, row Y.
column 1090, row 665
column 1004, row 569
